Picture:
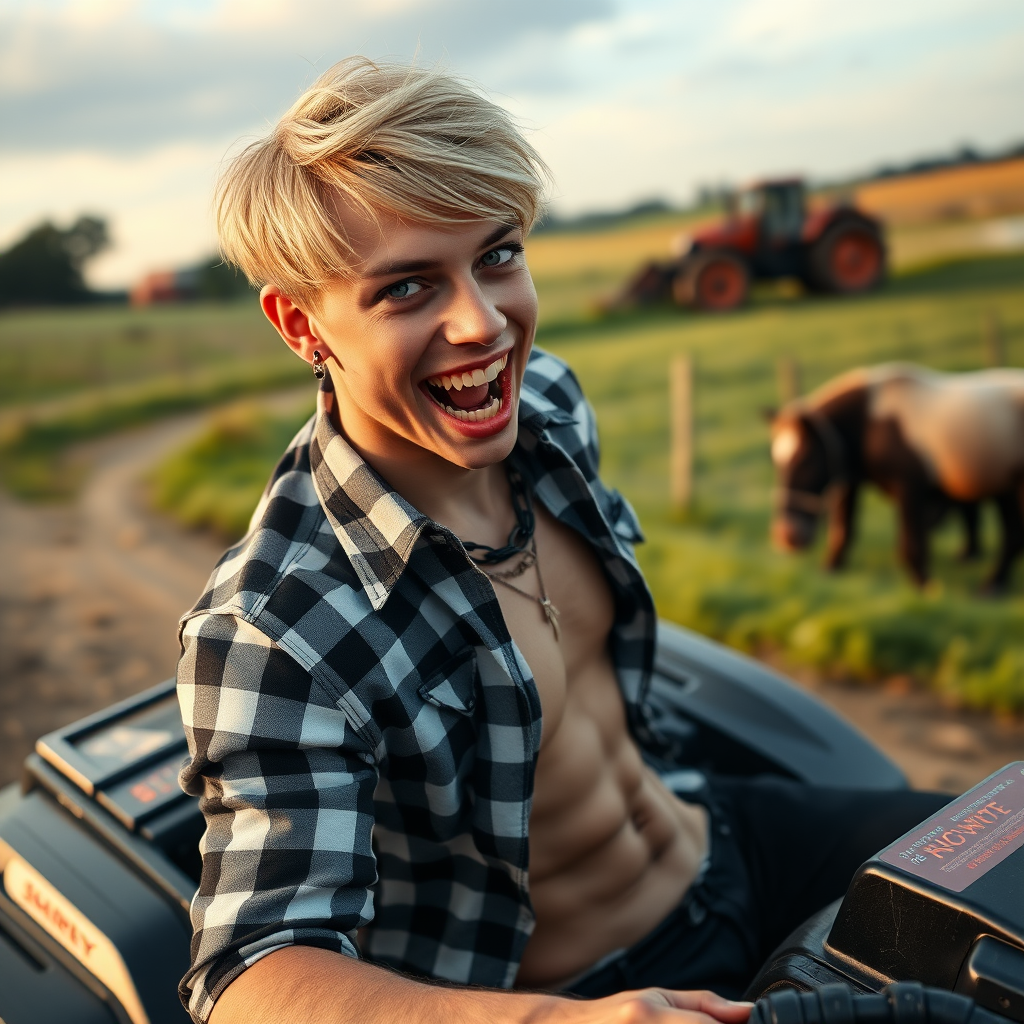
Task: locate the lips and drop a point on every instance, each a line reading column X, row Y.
column 477, row 400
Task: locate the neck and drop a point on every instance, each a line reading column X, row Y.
column 847, row 413
column 461, row 499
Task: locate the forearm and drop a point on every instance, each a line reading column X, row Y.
column 306, row 985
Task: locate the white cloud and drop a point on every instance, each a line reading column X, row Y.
column 125, row 107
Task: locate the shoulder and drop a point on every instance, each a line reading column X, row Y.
column 553, row 400
column 553, row 395
column 551, row 379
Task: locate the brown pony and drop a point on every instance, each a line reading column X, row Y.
column 931, row 441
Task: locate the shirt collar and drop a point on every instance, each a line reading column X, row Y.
column 375, row 526
column 537, row 412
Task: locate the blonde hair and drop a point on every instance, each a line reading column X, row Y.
column 420, row 143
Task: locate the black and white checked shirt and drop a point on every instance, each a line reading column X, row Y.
column 363, row 731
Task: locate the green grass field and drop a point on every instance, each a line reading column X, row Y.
column 48, row 355
column 712, row 569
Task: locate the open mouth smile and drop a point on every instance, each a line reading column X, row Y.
column 478, row 399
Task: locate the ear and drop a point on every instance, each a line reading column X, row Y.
column 768, row 413
column 291, row 322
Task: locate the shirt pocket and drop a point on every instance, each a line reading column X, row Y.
column 454, row 684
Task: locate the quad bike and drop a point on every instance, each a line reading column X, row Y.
column 98, row 849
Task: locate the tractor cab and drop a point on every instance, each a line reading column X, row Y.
column 777, row 207
column 765, row 225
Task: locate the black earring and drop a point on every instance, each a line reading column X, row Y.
column 318, row 365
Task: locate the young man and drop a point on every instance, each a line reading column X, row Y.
column 413, row 692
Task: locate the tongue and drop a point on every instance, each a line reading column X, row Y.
column 468, row 398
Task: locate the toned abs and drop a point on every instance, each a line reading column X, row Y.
column 612, row 851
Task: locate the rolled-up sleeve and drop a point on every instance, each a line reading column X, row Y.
column 286, row 787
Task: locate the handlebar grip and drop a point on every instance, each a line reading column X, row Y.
column 905, row 1002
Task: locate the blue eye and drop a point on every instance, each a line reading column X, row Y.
column 403, row 290
column 497, row 257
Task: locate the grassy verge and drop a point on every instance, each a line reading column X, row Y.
column 53, row 355
column 216, row 480
column 865, row 625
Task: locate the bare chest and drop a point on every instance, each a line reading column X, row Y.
column 572, row 579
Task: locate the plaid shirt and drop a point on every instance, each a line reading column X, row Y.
column 363, row 731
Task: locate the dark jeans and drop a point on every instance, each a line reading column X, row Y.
column 780, row 851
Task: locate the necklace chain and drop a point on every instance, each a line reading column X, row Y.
column 526, row 562
column 522, row 533
column 522, row 542
column 551, row 613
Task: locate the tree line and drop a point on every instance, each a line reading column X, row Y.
column 46, row 268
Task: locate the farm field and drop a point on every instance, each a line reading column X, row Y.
column 66, row 375
column 970, row 190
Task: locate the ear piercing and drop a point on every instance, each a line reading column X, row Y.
column 318, row 365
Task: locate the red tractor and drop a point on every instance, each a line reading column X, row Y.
column 769, row 233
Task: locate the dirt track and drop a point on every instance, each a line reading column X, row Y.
column 90, row 595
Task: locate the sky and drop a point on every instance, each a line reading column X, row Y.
column 127, row 108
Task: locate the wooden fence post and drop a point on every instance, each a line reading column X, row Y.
column 681, row 449
column 992, row 339
column 787, row 377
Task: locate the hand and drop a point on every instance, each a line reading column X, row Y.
column 660, row 1006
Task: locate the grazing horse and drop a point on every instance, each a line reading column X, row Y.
column 931, row 441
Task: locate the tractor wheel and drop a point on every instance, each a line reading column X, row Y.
column 712, row 281
column 848, row 258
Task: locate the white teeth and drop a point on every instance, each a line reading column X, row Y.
column 470, row 379
column 476, row 415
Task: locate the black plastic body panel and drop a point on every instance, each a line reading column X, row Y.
column 993, row 976
column 35, row 987
column 150, row 937
column 747, row 719
column 149, row 852
column 905, row 929
column 919, row 922
column 801, row 962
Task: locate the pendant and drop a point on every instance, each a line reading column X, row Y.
column 551, row 614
